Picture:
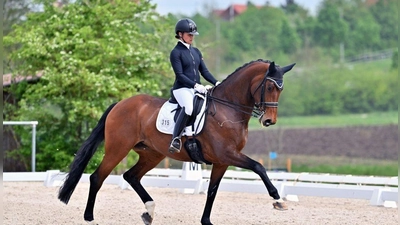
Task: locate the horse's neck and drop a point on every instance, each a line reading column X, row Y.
column 235, row 93
column 237, row 87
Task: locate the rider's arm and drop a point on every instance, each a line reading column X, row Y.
column 204, row 70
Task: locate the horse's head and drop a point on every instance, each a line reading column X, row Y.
column 266, row 89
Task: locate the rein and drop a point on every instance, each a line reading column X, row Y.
column 231, row 104
column 258, row 110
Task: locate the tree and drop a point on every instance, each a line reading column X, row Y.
column 92, row 53
column 14, row 12
column 260, row 31
column 395, row 60
column 386, row 13
column 301, row 20
column 363, row 35
column 330, row 29
column 290, row 40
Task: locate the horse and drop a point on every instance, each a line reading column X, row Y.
column 130, row 124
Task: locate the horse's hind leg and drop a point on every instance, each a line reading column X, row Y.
column 148, row 159
column 109, row 162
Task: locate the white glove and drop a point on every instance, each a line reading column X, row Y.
column 200, row 88
column 208, row 87
column 216, row 84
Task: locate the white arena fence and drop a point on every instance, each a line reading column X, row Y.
column 33, row 124
column 380, row 191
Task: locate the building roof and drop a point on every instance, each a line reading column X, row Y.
column 9, row 79
column 239, row 9
column 371, row 2
column 232, row 11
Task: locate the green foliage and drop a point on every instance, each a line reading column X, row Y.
column 92, row 53
column 291, row 33
column 363, row 34
column 341, row 120
column 395, row 60
column 259, row 31
column 354, row 169
column 331, row 29
column 14, row 12
column 207, row 27
column 361, row 27
column 290, row 41
column 332, row 90
column 386, row 14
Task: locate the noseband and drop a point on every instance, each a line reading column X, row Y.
column 260, row 107
column 258, row 110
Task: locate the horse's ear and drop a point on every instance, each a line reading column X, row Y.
column 272, row 67
column 287, row 68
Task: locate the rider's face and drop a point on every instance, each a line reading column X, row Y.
column 188, row 38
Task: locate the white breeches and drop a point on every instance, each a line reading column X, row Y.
column 184, row 97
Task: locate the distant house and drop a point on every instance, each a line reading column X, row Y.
column 236, row 9
column 231, row 12
column 9, row 79
column 371, row 2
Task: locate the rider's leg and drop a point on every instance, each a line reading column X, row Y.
column 184, row 97
column 181, row 121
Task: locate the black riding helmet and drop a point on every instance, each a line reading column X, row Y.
column 186, row 25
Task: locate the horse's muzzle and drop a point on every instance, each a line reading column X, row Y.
column 267, row 122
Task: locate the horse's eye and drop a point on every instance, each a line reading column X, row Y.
column 270, row 87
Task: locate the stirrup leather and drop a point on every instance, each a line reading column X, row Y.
column 175, row 145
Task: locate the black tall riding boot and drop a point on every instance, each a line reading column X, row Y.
column 180, row 124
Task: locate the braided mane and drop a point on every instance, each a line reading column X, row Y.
column 246, row 64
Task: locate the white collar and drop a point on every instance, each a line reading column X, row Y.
column 185, row 44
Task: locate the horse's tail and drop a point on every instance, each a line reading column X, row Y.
column 81, row 160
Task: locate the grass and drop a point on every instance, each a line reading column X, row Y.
column 332, row 165
column 365, row 119
column 391, row 169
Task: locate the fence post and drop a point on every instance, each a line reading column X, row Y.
column 50, row 180
column 192, row 171
column 33, row 123
column 33, row 147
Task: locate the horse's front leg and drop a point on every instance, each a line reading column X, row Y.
column 243, row 161
column 216, row 175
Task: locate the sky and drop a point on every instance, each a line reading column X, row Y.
column 190, row 7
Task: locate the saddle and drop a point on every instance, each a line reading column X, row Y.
column 166, row 118
column 169, row 110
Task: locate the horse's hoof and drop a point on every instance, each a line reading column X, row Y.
column 147, row 218
column 280, row 206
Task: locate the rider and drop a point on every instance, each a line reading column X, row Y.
column 187, row 61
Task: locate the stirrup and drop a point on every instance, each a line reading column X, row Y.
column 177, row 147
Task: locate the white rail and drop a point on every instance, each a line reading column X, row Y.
column 382, row 191
column 33, row 124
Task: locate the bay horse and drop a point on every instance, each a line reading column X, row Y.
column 131, row 124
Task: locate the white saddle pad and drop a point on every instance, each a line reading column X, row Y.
column 165, row 120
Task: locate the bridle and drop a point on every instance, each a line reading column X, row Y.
column 258, row 110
